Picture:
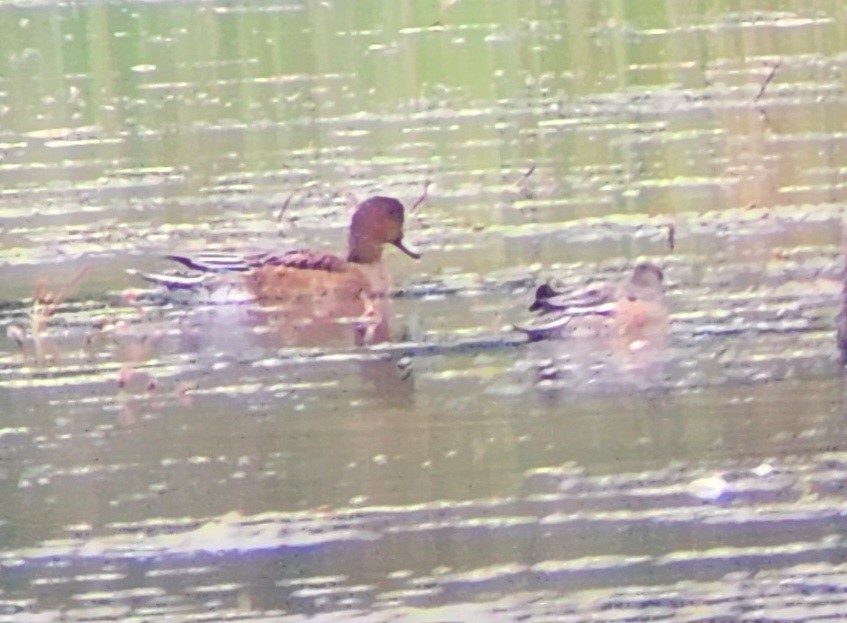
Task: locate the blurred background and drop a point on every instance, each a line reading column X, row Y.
column 163, row 459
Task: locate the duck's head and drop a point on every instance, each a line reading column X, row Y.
column 544, row 293
column 648, row 273
column 646, row 282
column 377, row 221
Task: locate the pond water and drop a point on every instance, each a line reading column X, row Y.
column 168, row 459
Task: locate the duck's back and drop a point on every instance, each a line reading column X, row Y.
column 307, row 259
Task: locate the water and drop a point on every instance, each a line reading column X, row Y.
column 161, row 460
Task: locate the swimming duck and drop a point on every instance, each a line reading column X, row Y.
column 634, row 311
column 314, row 282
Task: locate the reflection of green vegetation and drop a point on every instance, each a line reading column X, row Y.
column 219, row 89
column 241, row 64
column 228, row 52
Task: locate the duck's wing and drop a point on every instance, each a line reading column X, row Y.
column 544, row 327
column 556, row 310
column 222, row 261
column 547, row 324
column 207, row 266
column 548, row 300
column 174, row 280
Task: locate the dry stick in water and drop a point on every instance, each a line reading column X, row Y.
column 287, row 202
column 284, row 207
column 44, row 303
column 767, row 82
column 416, row 206
column 522, row 182
column 51, row 301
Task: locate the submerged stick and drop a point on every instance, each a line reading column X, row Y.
column 44, row 303
column 767, row 82
column 284, row 207
column 287, row 202
column 416, row 206
column 522, row 181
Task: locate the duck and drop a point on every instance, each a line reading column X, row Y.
column 633, row 313
column 308, row 282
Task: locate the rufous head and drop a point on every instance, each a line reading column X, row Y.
column 646, row 283
column 647, row 273
column 377, row 221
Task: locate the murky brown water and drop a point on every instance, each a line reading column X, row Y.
column 167, row 460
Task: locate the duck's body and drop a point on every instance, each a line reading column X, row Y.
column 641, row 315
column 318, row 279
column 308, row 282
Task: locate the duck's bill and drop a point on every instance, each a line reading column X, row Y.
column 408, row 251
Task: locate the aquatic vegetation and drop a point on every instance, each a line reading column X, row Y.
column 32, row 339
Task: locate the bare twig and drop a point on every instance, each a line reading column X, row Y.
column 44, row 303
column 73, row 283
column 287, row 202
column 284, row 207
column 416, row 206
column 522, row 181
column 767, row 81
